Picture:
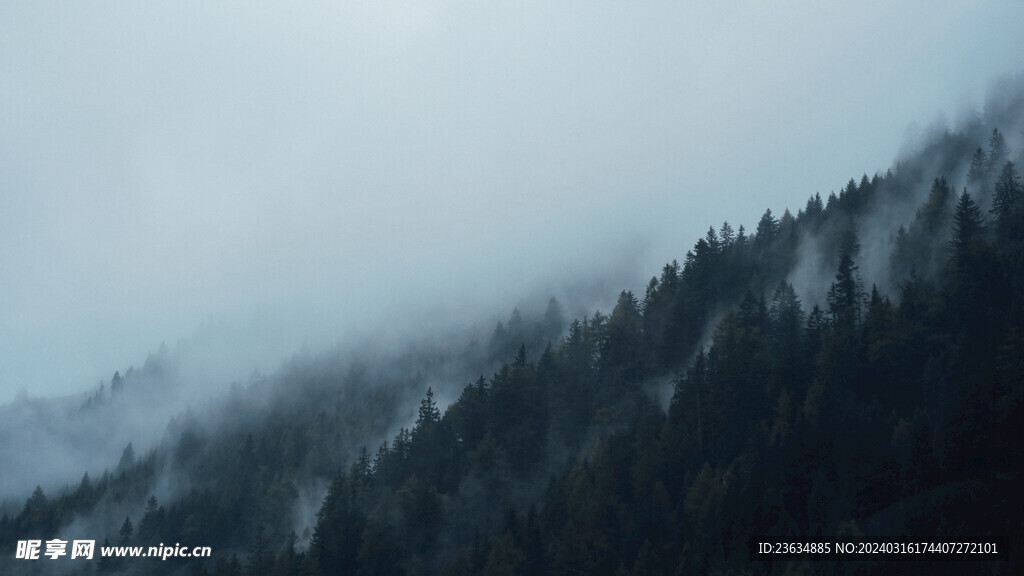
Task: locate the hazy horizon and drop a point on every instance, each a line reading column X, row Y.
column 268, row 178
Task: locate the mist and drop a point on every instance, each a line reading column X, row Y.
column 938, row 154
column 257, row 215
column 272, row 178
column 224, row 204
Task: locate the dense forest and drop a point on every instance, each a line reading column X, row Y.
column 723, row 407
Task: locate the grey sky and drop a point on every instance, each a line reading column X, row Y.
column 283, row 173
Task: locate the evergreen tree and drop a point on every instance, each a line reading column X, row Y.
column 621, row 352
column 787, row 225
column 1008, row 193
column 712, row 239
column 380, row 463
column 979, row 168
column 36, row 503
column 116, row 383
column 997, row 151
column 127, row 457
column 932, row 213
column 402, row 445
column 36, row 517
column 554, row 320
column 814, row 208
column 428, row 415
column 152, row 519
column 520, row 360
column 726, row 235
column 846, row 294
column 786, row 315
column 362, row 470
column 767, row 228
column 339, row 528
column 259, row 560
column 126, row 532
column 967, row 225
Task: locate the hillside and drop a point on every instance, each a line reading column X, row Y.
column 850, row 372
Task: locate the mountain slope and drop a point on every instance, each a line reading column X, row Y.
column 849, row 373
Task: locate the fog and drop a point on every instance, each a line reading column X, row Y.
column 247, row 180
column 928, row 155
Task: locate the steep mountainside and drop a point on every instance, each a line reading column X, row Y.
column 851, row 372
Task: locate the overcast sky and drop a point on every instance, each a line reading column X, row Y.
column 282, row 173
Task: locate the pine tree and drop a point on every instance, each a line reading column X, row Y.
column 36, row 515
column 339, row 528
column 126, row 531
column 978, row 169
column 767, row 228
column 428, row 413
column 380, row 463
column 621, row 351
column 786, row 315
column 997, row 151
column 1008, row 192
column 726, row 235
column 116, row 383
column 846, row 295
column 259, row 556
column 902, row 254
column 520, row 360
column 402, row 445
column 850, row 196
column 554, row 319
column 361, row 470
column 933, row 213
column 152, row 518
column 127, row 457
column 712, row 239
column 787, row 225
column 741, row 237
column 36, row 503
column 814, row 207
column 967, row 224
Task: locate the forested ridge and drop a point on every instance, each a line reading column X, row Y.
column 668, row 435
